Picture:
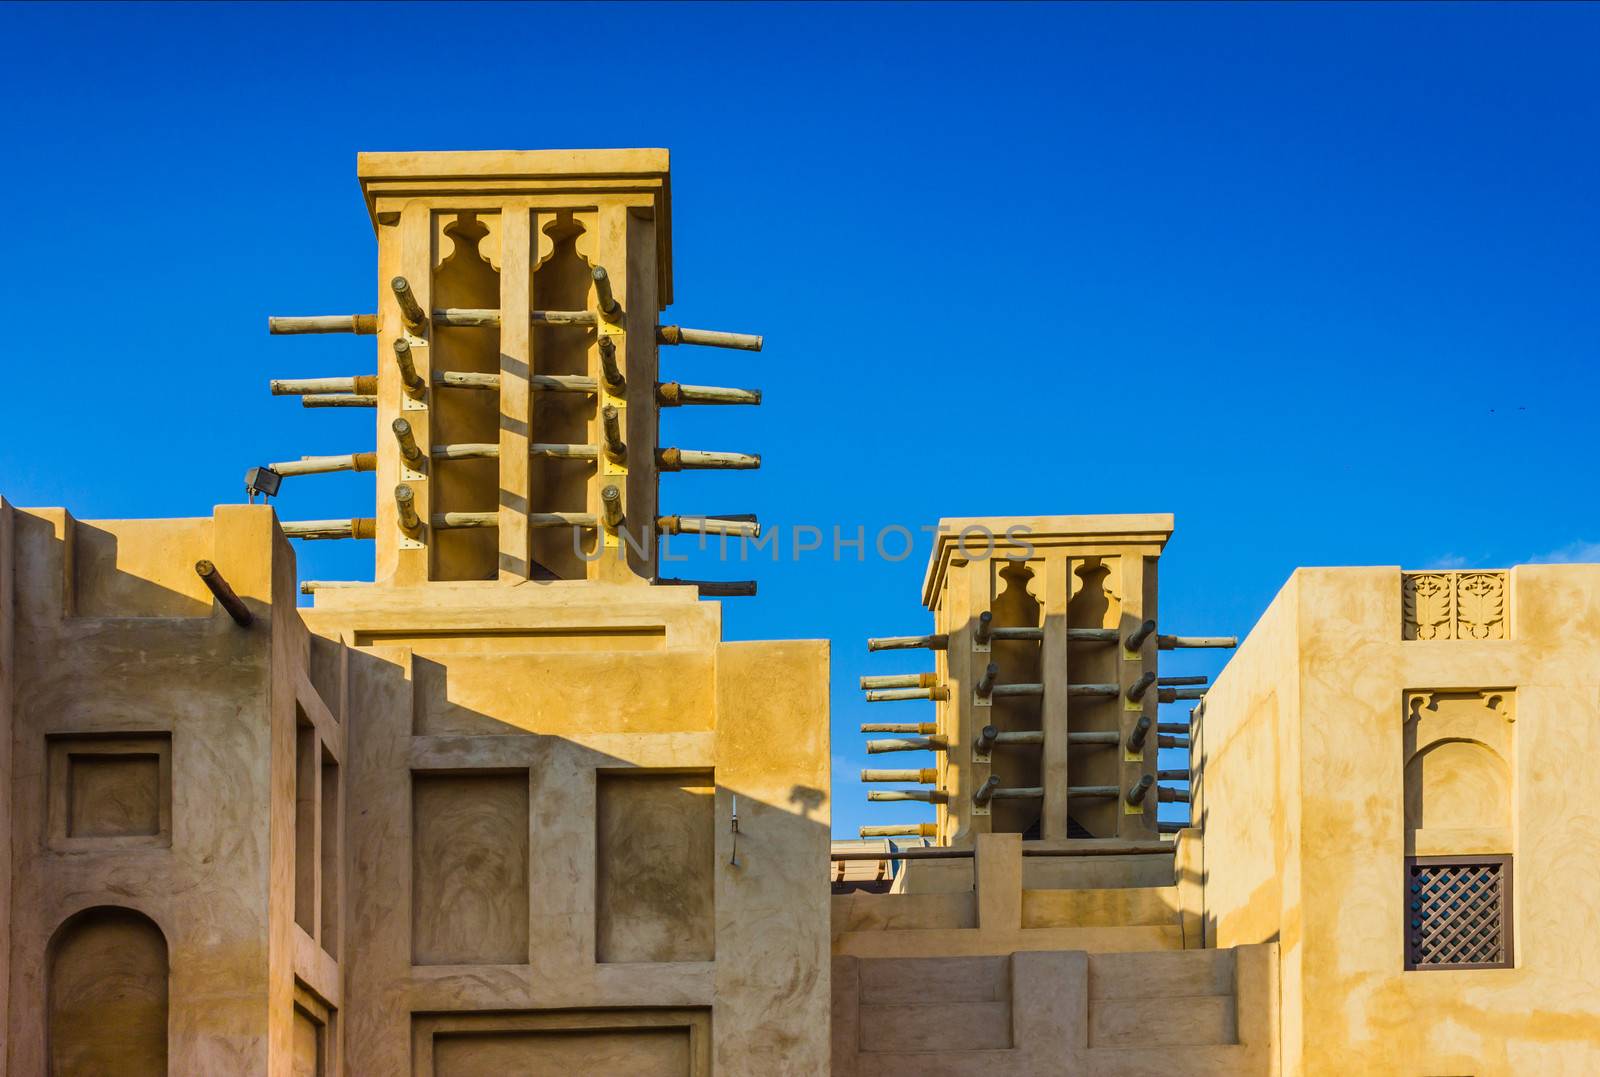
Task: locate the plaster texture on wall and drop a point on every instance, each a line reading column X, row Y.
column 1305, row 744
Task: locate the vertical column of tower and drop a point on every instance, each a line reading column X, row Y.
column 1055, row 707
column 1137, row 821
column 405, row 249
column 516, row 393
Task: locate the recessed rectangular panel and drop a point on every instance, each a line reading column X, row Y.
column 627, row 1052
column 469, row 844
column 114, row 795
column 109, row 791
column 656, row 847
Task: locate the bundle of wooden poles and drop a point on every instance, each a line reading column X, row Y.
column 928, row 736
column 361, row 391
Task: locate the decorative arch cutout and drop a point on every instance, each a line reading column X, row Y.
column 1457, row 783
column 107, row 995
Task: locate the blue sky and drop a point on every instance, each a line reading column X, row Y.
column 1332, row 267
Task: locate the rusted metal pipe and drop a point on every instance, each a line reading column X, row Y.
column 1137, row 689
column 1136, row 792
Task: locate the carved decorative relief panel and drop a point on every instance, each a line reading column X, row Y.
column 1454, row 605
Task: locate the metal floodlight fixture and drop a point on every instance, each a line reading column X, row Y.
column 261, row 480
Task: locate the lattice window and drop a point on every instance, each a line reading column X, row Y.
column 1458, row 912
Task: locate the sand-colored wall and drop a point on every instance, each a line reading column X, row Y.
column 544, row 780
column 153, row 746
column 1534, row 696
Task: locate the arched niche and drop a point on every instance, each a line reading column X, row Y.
column 1457, row 783
column 107, row 995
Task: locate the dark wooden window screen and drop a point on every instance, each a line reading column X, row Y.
column 1458, row 912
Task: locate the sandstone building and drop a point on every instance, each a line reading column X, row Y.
column 514, row 806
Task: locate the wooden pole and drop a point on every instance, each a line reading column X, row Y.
column 410, row 309
column 907, row 744
column 362, row 527
column 322, row 465
column 1173, row 775
column 454, row 521
column 457, row 521
column 616, row 448
column 603, row 299
column 900, row 727
column 1093, row 791
column 364, row 384
column 408, row 443
column 338, row 400
column 611, row 507
column 1163, row 741
column 937, row 642
column 224, row 594
column 709, row 338
column 311, row 587
column 985, row 686
column 1136, row 792
column 1100, row 737
column 466, row 450
column 1137, row 637
column 712, row 588
column 1173, row 727
column 925, row 776
column 1171, row 796
column 1173, row 682
column 455, row 379
column 1025, row 688
column 564, row 451
column 1035, row 635
column 745, row 526
column 902, row 830
column 985, row 792
column 486, row 318
column 1137, row 735
column 408, row 367
column 610, row 370
column 1138, row 688
column 1168, row 643
column 698, row 460
column 1084, row 847
column 1172, row 695
column 363, row 324
column 890, row 695
column 926, row 796
column 1025, row 792
column 901, row 680
column 405, row 500
column 671, row 394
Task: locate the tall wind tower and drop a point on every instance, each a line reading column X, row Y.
column 516, row 387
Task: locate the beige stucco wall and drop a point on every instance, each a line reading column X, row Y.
column 1302, row 793
column 549, row 774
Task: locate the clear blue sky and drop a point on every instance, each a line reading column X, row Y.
column 1344, row 255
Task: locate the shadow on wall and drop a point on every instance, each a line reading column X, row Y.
column 519, row 848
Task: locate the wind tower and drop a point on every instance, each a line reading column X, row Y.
column 1046, row 684
column 516, row 387
column 569, row 806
